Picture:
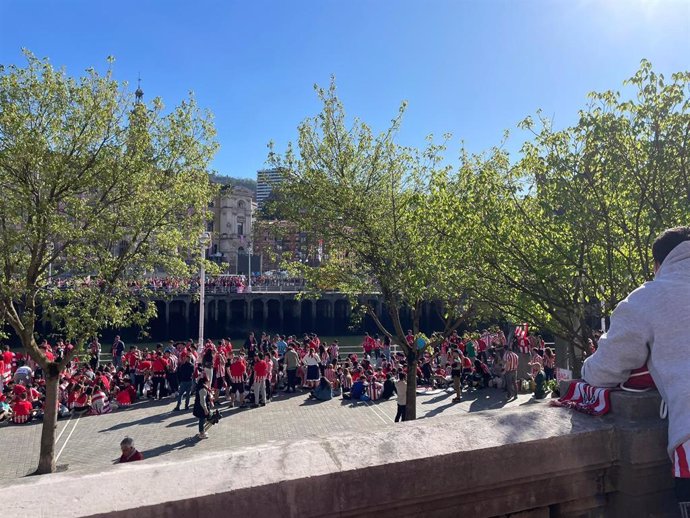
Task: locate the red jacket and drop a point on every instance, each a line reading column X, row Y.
column 261, row 369
column 22, row 408
column 160, row 365
column 135, row 456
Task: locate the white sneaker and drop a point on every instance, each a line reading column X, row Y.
column 201, row 436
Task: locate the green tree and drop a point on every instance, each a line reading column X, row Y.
column 571, row 224
column 100, row 188
column 367, row 197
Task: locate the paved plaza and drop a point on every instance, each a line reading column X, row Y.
column 91, row 441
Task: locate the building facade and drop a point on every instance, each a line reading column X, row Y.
column 232, row 226
column 277, row 241
column 266, row 179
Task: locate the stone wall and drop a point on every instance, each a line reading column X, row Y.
column 533, row 461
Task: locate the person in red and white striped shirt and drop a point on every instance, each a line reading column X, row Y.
column 330, row 375
column 346, row 382
column 22, row 410
column 261, row 374
column 510, row 367
column 237, row 373
column 374, row 389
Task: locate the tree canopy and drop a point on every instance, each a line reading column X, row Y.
column 96, row 186
column 570, row 224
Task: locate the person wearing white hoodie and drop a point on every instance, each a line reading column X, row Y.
column 651, row 325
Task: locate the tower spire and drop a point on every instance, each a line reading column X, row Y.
column 139, row 94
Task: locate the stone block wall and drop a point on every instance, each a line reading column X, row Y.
column 534, row 461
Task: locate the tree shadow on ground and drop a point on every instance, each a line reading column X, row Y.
column 152, row 419
column 187, row 442
column 438, row 410
column 311, row 401
column 439, row 397
column 191, row 421
column 487, row 399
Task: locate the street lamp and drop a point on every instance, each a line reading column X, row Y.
column 249, row 273
column 204, row 240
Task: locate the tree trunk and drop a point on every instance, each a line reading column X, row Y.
column 411, row 411
column 46, row 461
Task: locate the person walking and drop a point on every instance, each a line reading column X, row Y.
column 202, row 405
column 185, row 376
column 510, row 367
column 401, row 390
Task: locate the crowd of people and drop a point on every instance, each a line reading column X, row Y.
column 251, row 375
column 215, row 284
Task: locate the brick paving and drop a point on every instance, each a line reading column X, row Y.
column 94, row 440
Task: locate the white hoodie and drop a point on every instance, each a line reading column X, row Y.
column 653, row 325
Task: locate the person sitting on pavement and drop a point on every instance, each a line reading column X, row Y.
column 22, row 411
column 357, row 390
column 323, row 391
column 129, row 452
column 388, row 388
column 540, row 385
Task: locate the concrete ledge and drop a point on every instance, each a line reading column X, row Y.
column 531, row 461
column 431, row 464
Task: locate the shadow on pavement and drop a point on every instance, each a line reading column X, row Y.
column 486, row 399
column 152, row 419
column 188, row 442
column 437, row 410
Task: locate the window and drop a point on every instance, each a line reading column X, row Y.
column 209, row 226
column 240, row 204
column 240, row 229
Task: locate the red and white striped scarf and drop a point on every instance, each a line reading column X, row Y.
column 586, row 399
column 681, row 455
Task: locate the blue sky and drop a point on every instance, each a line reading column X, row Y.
column 473, row 68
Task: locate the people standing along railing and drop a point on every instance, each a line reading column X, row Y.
column 214, row 285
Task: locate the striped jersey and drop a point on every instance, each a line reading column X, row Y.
column 510, row 361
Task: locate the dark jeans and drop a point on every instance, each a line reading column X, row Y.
column 158, row 386
column 185, row 389
column 511, row 383
column 291, row 378
column 401, row 413
column 549, row 373
column 202, row 422
column 172, row 381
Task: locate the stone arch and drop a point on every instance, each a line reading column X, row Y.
column 275, row 316
column 307, row 322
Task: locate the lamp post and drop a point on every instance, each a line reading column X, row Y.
column 249, row 272
column 204, row 240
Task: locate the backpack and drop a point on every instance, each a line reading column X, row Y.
column 640, row 380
